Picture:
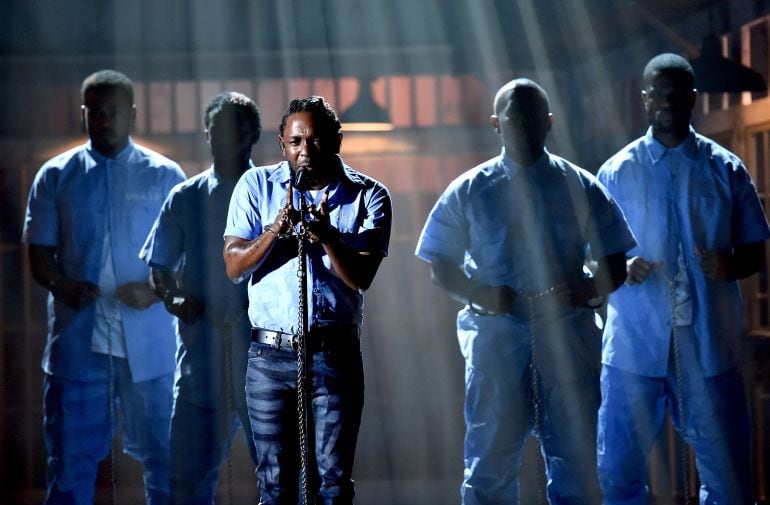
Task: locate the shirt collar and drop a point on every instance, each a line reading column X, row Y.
column 121, row 157
column 512, row 169
column 686, row 148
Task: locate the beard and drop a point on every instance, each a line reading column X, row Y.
column 669, row 121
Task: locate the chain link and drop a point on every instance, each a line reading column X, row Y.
column 111, row 399
column 302, row 415
column 535, row 380
column 684, row 459
column 226, row 330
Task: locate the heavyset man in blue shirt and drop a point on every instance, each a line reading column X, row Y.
column 348, row 234
column 209, row 400
column 88, row 214
column 509, row 238
column 672, row 330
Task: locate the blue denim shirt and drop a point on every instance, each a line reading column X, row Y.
column 359, row 207
column 525, row 227
column 71, row 199
column 697, row 194
column 188, row 236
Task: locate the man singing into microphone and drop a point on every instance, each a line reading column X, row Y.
column 348, row 234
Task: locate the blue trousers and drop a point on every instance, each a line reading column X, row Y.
column 714, row 421
column 336, row 393
column 499, row 412
column 200, row 441
column 78, row 432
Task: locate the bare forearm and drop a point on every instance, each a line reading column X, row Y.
column 356, row 269
column 610, row 274
column 242, row 256
column 45, row 269
column 746, row 260
column 162, row 281
column 452, row 280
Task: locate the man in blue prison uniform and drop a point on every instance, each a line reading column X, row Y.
column 88, row 214
column 209, row 400
column 349, row 232
column 700, row 227
column 509, row 239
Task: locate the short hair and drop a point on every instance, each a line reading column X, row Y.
column 668, row 62
column 107, row 79
column 323, row 113
column 234, row 101
column 522, row 83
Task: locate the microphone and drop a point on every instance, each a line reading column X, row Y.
column 302, row 180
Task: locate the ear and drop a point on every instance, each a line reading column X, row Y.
column 83, row 123
column 550, row 121
column 693, row 98
column 207, row 135
column 339, row 144
column 280, row 143
column 643, row 96
column 495, row 122
column 133, row 117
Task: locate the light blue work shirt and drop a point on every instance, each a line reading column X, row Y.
column 526, row 228
column 72, row 198
column 188, row 236
column 359, row 208
column 696, row 195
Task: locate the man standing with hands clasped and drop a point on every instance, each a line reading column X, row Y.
column 110, row 350
column 672, row 330
column 184, row 251
column 508, row 239
column 348, row 232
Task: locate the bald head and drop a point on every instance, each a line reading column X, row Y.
column 522, row 118
column 526, row 91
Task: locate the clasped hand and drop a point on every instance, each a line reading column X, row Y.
column 714, row 264
column 183, row 305
column 80, row 294
column 319, row 228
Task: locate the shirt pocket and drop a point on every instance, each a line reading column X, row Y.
column 141, row 215
column 489, row 247
column 710, row 220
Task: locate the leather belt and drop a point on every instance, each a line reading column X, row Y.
column 318, row 339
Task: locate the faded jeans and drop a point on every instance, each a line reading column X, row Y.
column 336, row 395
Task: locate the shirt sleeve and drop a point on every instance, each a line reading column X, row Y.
column 165, row 243
column 41, row 222
column 749, row 220
column 608, row 230
column 374, row 233
column 243, row 218
column 445, row 234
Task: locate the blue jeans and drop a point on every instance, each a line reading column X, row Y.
column 78, row 432
column 336, row 393
column 714, row 421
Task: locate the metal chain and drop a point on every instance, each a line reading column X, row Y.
column 302, row 415
column 226, row 330
column 111, row 399
column 684, row 459
column 536, row 400
column 678, row 371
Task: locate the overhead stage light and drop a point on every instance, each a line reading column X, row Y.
column 366, row 115
column 715, row 73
